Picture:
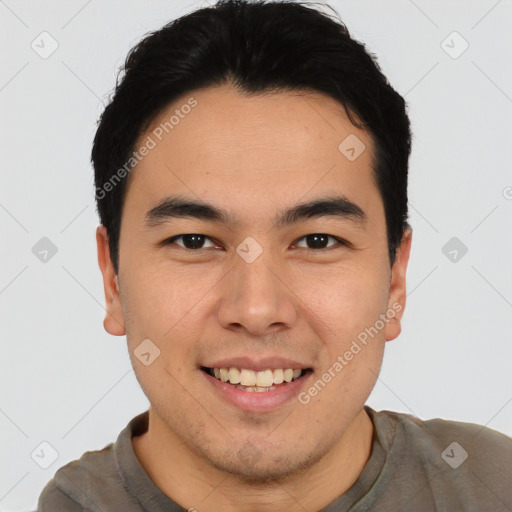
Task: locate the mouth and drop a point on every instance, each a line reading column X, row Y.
column 257, row 391
column 256, row 381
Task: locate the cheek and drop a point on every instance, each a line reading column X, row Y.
column 346, row 300
column 162, row 305
column 160, row 298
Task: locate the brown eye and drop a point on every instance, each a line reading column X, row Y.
column 191, row 241
column 317, row 241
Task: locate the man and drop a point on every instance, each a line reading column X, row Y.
column 251, row 179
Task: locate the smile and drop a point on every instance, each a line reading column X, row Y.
column 258, row 391
column 259, row 381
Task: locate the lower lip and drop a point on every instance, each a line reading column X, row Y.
column 257, row 401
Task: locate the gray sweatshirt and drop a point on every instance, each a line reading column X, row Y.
column 414, row 466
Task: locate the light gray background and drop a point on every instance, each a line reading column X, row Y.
column 67, row 382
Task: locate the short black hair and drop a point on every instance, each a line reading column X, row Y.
column 260, row 47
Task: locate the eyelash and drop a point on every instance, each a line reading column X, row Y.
column 341, row 242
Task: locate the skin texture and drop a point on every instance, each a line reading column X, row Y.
column 254, row 156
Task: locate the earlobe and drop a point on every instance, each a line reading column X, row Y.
column 398, row 289
column 114, row 318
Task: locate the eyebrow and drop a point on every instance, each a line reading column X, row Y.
column 337, row 206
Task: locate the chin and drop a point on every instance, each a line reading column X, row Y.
column 267, row 468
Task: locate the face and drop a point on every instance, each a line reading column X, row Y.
column 255, row 290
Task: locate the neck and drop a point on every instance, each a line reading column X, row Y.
column 191, row 482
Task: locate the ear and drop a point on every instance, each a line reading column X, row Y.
column 397, row 289
column 114, row 318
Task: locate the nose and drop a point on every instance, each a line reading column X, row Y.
column 256, row 298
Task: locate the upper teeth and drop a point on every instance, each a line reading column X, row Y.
column 264, row 378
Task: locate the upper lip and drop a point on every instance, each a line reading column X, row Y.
column 255, row 364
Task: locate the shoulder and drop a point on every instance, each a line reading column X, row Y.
column 455, row 457
column 70, row 488
column 95, row 482
column 479, row 441
column 53, row 498
column 463, row 439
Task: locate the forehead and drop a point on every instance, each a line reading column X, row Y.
column 230, row 146
column 225, row 120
